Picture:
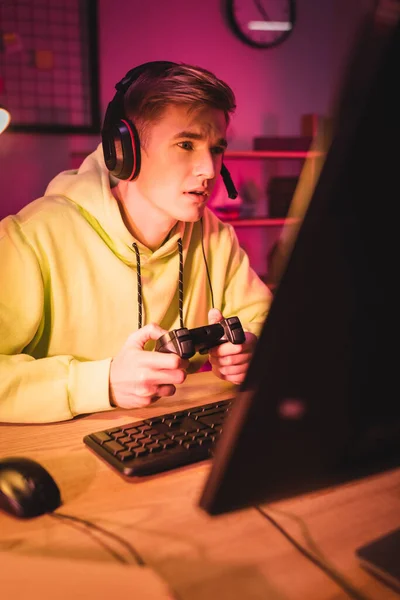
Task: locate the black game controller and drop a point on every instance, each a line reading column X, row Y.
column 186, row 342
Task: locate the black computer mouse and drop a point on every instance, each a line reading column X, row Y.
column 26, row 488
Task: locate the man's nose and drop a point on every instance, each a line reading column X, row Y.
column 205, row 166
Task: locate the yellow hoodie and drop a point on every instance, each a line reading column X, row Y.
column 68, row 293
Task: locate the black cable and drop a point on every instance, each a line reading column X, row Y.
column 205, row 262
column 139, row 560
column 180, row 283
column 347, row 587
column 113, row 553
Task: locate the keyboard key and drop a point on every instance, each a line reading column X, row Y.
column 151, row 431
column 189, row 444
column 172, row 422
column 101, row 437
column 132, row 445
column 126, row 455
column 113, row 447
column 153, row 421
column 131, row 431
column 124, row 440
column 206, row 441
column 118, row 434
column 168, row 443
column 141, row 451
column 154, row 447
column 144, row 428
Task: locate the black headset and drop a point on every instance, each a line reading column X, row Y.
column 120, row 138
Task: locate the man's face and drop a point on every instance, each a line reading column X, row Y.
column 181, row 160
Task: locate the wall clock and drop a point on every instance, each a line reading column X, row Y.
column 261, row 23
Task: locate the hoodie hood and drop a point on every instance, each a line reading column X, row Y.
column 89, row 189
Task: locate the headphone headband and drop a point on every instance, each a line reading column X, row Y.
column 156, row 66
column 115, row 110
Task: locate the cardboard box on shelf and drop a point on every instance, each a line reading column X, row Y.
column 280, row 192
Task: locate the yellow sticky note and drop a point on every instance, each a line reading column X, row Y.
column 44, row 59
column 11, row 42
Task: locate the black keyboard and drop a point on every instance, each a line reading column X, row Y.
column 160, row 443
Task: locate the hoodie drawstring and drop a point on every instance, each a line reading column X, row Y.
column 139, row 284
column 180, row 280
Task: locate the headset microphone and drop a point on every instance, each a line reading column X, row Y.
column 227, row 179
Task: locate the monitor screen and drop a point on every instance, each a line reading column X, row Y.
column 320, row 402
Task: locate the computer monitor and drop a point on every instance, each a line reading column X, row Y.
column 320, row 403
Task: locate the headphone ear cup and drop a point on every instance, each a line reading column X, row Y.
column 121, row 149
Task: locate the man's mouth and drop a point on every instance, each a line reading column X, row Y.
column 200, row 193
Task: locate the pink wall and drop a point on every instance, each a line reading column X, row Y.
column 273, row 87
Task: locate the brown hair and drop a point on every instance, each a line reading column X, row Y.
column 180, row 84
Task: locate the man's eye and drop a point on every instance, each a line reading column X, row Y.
column 186, row 145
column 218, row 150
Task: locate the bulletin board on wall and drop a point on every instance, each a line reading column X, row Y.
column 49, row 65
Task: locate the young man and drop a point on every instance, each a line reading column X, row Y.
column 111, row 258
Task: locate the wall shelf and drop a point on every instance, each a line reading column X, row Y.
column 78, row 157
column 256, row 222
column 283, row 154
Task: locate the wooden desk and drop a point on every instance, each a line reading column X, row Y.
column 237, row 556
